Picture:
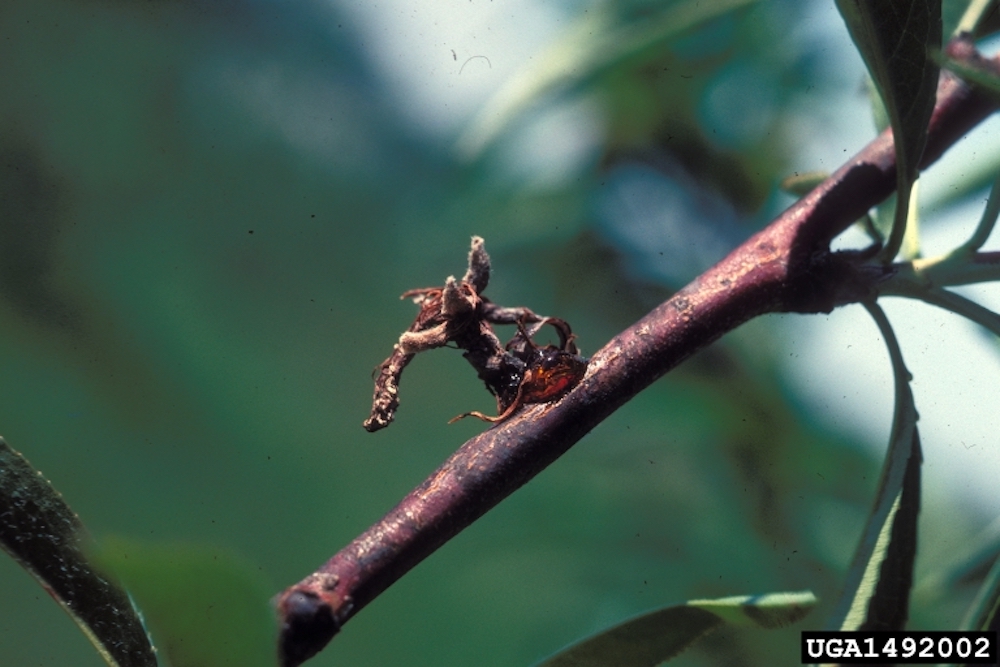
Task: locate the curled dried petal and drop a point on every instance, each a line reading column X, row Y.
column 411, row 342
column 478, row 274
column 458, row 299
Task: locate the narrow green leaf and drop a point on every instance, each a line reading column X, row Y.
column 591, row 47
column 640, row 642
column 658, row 636
column 896, row 39
column 888, row 603
column 876, row 595
column 975, row 13
column 879, row 115
column 205, row 607
column 983, row 610
column 987, row 222
column 41, row 532
column 769, row 611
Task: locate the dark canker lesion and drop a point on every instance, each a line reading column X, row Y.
column 518, row 373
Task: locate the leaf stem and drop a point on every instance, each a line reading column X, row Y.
column 868, row 225
column 925, row 280
column 963, row 306
column 973, row 16
column 949, row 270
column 905, row 408
column 986, row 223
column 905, row 196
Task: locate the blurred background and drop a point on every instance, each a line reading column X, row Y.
column 208, row 212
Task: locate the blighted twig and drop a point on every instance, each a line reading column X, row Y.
column 785, row 267
column 518, row 373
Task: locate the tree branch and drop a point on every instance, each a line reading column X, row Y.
column 785, row 267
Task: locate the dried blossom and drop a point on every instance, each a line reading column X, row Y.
column 516, row 373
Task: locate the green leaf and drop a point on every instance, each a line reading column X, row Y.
column 876, row 596
column 987, row 222
column 205, row 607
column 879, row 115
column 984, row 79
column 896, row 39
column 982, row 612
column 888, row 599
column 41, row 532
column 769, row 611
column 660, row 635
column 975, row 14
column 594, row 45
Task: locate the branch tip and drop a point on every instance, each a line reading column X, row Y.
column 308, row 624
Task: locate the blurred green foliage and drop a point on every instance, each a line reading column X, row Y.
column 659, row 636
column 207, row 213
column 205, row 605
